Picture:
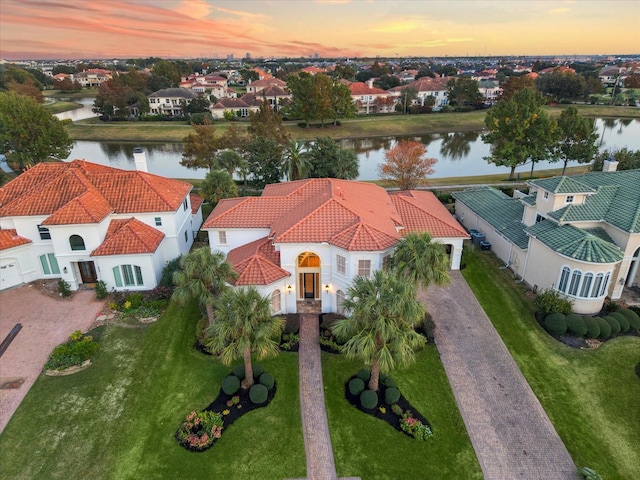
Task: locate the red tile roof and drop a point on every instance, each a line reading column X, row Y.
column 82, row 192
column 360, row 88
column 257, row 263
column 422, row 211
column 10, row 238
column 129, row 236
column 196, row 201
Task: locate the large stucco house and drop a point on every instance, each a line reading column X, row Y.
column 579, row 235
column 84, row 222
column 303, row 242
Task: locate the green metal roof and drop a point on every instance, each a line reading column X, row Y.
column 502, row 212
column 562, row 185
column 529, row 199
column 580, row 244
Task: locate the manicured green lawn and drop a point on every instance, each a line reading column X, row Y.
column 58, row 107
column 117, row 418
column 367, row 447
column 591, row 396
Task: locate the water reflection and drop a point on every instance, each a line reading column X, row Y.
column 457, row 146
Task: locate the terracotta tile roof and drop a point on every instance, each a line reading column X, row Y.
column 361, row 88
column 256, row 263
column 10, row 238
column 231, row 103
column 83, row 192
column 425, row 84
column 422, row 211
column 196, row 201
column 363, row 238
column 129, row 236
column 265, row 82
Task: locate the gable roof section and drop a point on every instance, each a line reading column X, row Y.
column 499, row 210
column 196, row 201
column 580, row 244
column 90, row 207
column 128, row 237
column 562, row 184
column 422, row 211
column 10, row 238
column 256, row 263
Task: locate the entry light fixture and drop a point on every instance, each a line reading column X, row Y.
column 289, row 288
column 64, row 270
column 326, row 287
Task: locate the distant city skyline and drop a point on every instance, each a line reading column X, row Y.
column 72, row 29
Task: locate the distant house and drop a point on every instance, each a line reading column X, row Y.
column 427, row 87
column 490, row 91
column 258, row 85
column 370, row 99
column 610, row 76
column 168, row 101
column 92, row 78
column 579, row 235
column 237, row 106
column 84, row 222
column 302, row 243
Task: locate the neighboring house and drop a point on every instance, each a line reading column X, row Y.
column 610, row 76
column 490, row 91
column 427, row 87
column 237, row 106
column 168, row 101
column 84, row 222
column 579, row 235
column 303, row 242
column 255, row 87
column 370, row 99
column 211, row 84
column 92, row 78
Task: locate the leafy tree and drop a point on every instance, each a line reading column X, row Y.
column 264, row 161
column 593, row 86
column 514, row 84
column 196, row 105
column 447, row 71
column 67, row 85
column 407, row 96
column 380, row 330
column 627, row 159
column 420, row 260
column 577, row 138
column 229, row 161
column 244, row 326
column 386, row 82
column 135, row 80
column 328, row 160
column 341, row 102
column 345, row 71
column 63, row 69
column 218, row 184
column 27, row 89
column 203, row 276
column 463, row 91
column 519, row 130
column 115, row 98
column 425, row 72
column 201, row 147
column 302, row 103
column 632, row 81
column 267, row 123
column 29, row 133
column 561, row 85
column 406, row 164
column 167, row 70
column 234, row 138
column 17, row 75
column 249, row 75
column 296, row 159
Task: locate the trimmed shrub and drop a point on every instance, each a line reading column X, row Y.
column 613, row 324
column 364, row 374
column 356, row 386
column 230, row 384
column 622, row 320
column 593, row 329
column 258, row 394
column 267, row 380
column 64, row 289
column 257, row 371
column 101, row 290
column 79, row 348
column 575, row 325
column 549, row 301
column 391, row 395
column 605, row 327
column 632, row 317
column 383, row 377
column 239, row 372
column 135, row 299
column 555, row 323
column 369, row 399
column 389, row 382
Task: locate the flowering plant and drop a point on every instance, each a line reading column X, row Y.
column 414, row 427
column 200, row 430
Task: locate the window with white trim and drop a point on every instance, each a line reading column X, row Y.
column 185, row 203
column 569, row 199
column 605, row 284
column 364, row 268
column 128, row 276
column 222, row 237
column 276, row 301
column 76, row 242
column 158, row 221
column 44, row 232
column 586, row 285
column 564, row 279
column 341, row 265
column 545, row 195
column 576, row 276
column 49, row 264
column 339, row 302
column 597, row 284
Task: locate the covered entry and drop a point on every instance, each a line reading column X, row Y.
column 87, row 272
column 309, row 291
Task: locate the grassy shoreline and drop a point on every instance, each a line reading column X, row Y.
column 372, row 126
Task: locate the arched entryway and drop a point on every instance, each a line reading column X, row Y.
column 309, row 287
column 633, row 269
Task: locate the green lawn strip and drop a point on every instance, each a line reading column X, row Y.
column 367, row 447
column 590, row 396
column 117, row 418
column 58, row 107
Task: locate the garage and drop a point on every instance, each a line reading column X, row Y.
column 10, row 275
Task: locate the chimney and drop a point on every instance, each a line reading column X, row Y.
column 610, row 165
column 140, row 158
column 370, row 83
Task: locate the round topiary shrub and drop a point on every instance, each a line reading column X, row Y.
column 383, row 377
column 257, row 371
column 267, row 380
column 605, row 326
column 369, row 399
column 356, row 386
column 575, row 325
column 391, row 395
column 258, row 394
column 555, row 323
column 632, row 317
column 364, row 374
column 389, row 382
column 230, row 384
column 622, row 320
column 239, row 372
column 593, row 330
column 614, row 326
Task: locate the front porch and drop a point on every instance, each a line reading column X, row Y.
column 630, row 296
column 309, row 306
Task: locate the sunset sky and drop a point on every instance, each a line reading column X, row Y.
column 44, row 29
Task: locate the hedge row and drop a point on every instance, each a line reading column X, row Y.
column 587, row 326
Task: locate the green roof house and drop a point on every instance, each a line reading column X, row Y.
column 579, row 235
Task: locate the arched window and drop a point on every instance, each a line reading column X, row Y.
column 605, row 284
column 575, row 281
column 339, row 301
column 276, row 301
column 597, row 285
column 76, row 242
column 564, row 279
column 586, row 285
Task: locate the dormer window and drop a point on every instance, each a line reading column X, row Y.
column 569, row 199
column 545, row 195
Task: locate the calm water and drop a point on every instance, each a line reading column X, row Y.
column 78, row 113
column 459, row 154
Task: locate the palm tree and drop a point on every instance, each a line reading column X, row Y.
column 296, row 160
column 380, row 329
column 203, row 275
column 229, row 160
column 421, row 260
column 244, row 325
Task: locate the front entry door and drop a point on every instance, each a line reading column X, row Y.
column 88, row 272
column 309, row 289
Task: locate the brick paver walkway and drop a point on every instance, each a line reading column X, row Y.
column 512, row 436
column 315, row 427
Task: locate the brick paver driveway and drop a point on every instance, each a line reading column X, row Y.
column 510, row 432
column 46, row 322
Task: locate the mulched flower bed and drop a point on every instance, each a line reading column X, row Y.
column 388, row 415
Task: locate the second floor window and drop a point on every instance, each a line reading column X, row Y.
column 364, row 268
column 45, row 234
column 76, row 242
column 341, row 265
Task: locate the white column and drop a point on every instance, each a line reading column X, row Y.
column 456, row 256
